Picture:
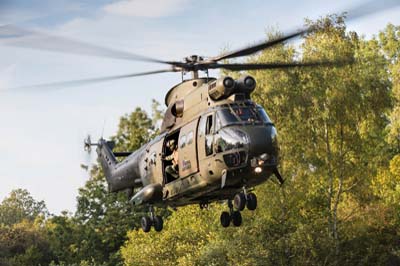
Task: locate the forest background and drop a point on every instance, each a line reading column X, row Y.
column 339, row 133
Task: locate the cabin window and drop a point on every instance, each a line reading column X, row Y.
column 218, row 124
column 209, row 136
column 189, row 138
column 202, row 127
column 182, row 141
column 209, row 125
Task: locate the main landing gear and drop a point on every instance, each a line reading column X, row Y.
column 240, row 201
column 153, row 220
column 232, row 216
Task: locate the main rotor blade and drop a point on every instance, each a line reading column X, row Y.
column 14, row 36
column 370, row 7
column 80, row 82
column 258, row 47
column 280, row 65
column 355, row 12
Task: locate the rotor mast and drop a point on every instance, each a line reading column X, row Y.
column 195, row 74
column 193, row 60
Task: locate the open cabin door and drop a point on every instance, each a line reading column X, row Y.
column 154, row 163
column 188, row 161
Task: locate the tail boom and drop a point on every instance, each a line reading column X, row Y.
column 120, row 175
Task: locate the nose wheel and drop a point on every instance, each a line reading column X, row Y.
column 244, row 199
column 251, row 201
column 153, row 220
column 239, row 201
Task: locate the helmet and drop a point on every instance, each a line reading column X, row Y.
column 171, row 144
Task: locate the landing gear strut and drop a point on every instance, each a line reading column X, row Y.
column 232, row 215
column 153, row 220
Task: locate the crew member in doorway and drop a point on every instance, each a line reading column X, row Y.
column 172, row 169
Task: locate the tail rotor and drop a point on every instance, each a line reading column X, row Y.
column 87, row 146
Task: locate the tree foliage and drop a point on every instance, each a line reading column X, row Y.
column 19, row 206
column 23, row 239
column 97, row 230
column 333, row 146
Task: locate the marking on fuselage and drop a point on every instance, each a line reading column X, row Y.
column 186, row 164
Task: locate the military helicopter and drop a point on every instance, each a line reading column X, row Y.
column 223, row 143
column 216, row 144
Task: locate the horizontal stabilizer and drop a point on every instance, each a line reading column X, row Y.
column 122, row 154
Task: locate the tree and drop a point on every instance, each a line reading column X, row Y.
column 20, row 205
column 24, row 244
column 332, row 133
column 134, row 130
column 389, row 40
column 99, row 226
column 185, row 231
column 23, row 239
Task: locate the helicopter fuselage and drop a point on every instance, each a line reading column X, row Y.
column 225, row 142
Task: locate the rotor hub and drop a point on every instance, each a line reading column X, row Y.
column 193, row 59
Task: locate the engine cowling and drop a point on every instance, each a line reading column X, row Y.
column 245, row 84
column 221, row 88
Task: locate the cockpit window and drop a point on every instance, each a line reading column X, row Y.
column 232, row 114
column 264, row 116
column 228, row 139
column 246, row 114
column 225, row 117
column 237, row 115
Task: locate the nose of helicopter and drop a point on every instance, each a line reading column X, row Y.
column 263, row 140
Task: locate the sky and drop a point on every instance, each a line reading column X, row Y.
column 42, row 131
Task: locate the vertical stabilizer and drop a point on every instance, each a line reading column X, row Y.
column 106, row 158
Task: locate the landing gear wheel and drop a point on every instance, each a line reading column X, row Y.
column 236, row 218
column 158, row 223
column 251, row 201
column 225, row 219
column 239, row 201
column 146, row 223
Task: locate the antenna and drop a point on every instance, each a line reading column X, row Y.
column 104, row 125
